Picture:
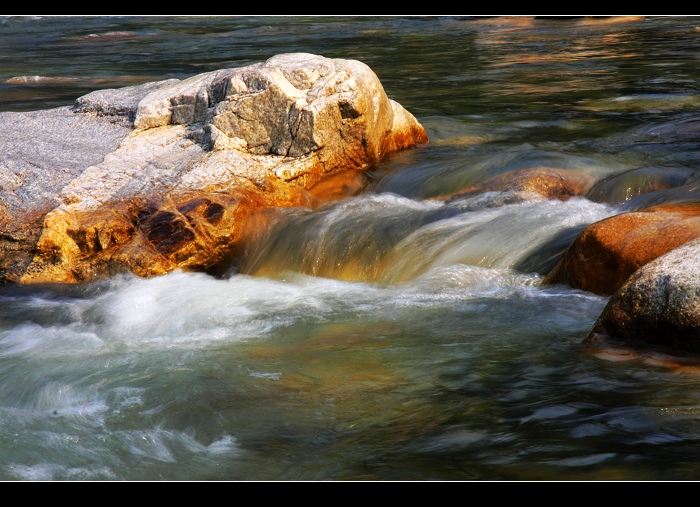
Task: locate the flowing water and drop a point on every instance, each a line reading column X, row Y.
column 386, row 335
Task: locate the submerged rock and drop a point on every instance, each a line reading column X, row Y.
column 688, row 193
column 549, row 182
column 164, row 175
column 623, row 187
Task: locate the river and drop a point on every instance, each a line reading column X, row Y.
column 385, row 336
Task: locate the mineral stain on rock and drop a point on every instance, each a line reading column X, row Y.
column 168, row 232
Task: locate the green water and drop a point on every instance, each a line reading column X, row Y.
column 384, row 337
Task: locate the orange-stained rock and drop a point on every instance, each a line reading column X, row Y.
column 193, row 231
column 550, row 182
column 607, row 253
column 165, row 175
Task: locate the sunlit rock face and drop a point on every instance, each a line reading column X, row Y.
column 161, row 176
column 658, row 306
column 324, row 113
column 605, row 254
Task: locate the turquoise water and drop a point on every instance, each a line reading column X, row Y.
column 386, row 336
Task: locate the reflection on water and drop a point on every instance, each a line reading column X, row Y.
column 386, row 335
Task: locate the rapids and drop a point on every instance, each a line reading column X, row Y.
column 386, row 335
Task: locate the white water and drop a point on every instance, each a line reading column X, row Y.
column 385, row 337
column 95, row 378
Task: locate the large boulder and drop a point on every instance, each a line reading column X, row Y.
column 658, row 306
column 166, row 175
column 605, row 254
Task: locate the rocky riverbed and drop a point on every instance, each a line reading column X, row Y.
column 172, row 175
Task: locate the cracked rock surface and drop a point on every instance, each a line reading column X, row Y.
column 162, row 176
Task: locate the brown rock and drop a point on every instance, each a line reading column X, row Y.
column 550, row 182
column 606, row 253
column 193, row 231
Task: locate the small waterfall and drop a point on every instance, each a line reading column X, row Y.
column 386, row 238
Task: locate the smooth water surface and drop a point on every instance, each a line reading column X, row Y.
column 388, row 335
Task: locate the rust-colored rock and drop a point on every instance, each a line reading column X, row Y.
column 550, row 182
column 194, row 231
column 607, row 253
column 162, row 176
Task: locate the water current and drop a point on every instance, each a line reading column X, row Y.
column 385, row 336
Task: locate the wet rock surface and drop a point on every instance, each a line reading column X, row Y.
column 549, row 182
column 605, row 254
column 658, row 306
column 645, row 257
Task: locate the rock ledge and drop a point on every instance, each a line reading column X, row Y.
column 165, row 175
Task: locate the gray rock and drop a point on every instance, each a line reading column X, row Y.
column 118, row 101
column 291, row 105
column 658, row 306
column 45, row 150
